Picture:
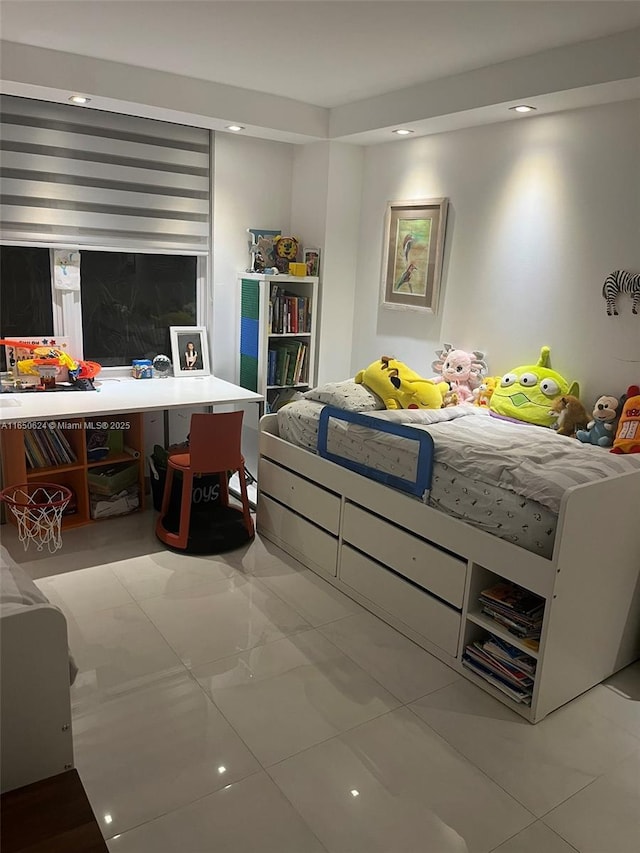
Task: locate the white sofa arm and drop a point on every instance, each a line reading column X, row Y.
column 35, row 703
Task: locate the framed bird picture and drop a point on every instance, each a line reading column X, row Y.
column 412, row 254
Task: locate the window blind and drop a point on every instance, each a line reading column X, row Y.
column 72, row 176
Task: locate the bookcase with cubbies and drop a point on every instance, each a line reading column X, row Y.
column 60, row 452
column 278, row 321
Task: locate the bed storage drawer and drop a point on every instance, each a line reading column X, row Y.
column 435, row 621
column 429, row 567
column 320, row 506
column 303, row 540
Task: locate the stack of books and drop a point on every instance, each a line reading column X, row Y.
column 288, row 313
column 502, row 665
column 47, row 448
column 516, row 609
column 286, row 363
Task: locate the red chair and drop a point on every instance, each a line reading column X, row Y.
column 214, row 448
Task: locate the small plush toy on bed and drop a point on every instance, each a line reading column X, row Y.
column 627, row 438
column 400, row 387
column 462, row 370
column 526, row 393
column 483, row 393
column 601, row 427
column 571, row 416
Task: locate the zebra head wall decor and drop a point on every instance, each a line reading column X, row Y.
column 619, row 282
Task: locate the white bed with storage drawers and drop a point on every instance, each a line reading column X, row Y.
column 422, row 570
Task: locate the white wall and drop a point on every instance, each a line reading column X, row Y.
column 339, row 268
column 327, row 194
column 252, row 189
column 309, row 192
column 540, row 211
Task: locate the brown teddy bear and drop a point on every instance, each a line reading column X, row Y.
column 570, row 415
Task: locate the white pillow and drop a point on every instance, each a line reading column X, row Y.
column 346, row 395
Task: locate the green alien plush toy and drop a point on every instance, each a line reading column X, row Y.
column 526, row 393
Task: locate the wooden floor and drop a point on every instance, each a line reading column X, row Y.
column 51, row 816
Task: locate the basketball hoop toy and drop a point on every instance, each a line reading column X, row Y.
column 38, row 509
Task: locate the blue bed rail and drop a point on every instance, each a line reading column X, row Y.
column 422, row 483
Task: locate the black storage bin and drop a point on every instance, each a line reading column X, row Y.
column 213, row 527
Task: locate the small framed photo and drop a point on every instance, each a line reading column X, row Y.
column 189, row 350
column 311, row 258
column 413, row 252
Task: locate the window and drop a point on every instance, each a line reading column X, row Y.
column 127, row 301
column 25, row 293
column 133, row 196
column 130, row 300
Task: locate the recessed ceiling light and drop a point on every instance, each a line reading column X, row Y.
column 523, row 108
column 403, row 131
column 79, row 99
column 236, row 128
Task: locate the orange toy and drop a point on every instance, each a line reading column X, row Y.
column 53, row 357
column 627, row 438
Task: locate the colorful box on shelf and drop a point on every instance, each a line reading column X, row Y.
column 297, row 268
column 142, row 368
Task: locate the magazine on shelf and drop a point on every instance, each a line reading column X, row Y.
column 515, row 693
column 501, row 649
column 510, row 674
column 511, row 597
column 521, row 629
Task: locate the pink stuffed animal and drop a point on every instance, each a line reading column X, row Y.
column 462, row 370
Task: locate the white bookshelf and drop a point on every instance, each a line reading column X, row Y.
column 277, row 313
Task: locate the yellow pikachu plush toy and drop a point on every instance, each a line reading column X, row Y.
column 399, row 387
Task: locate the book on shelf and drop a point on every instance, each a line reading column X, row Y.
column 516, row 609
column 272, row 357
column 512, row 674
column 300, row 360
column 285, row 362
column 29, row 450
column 511, row 597
column 51, row 450
column 288, row 313
column 523, row 628
column 57, row 448
column 67, row 449
column 503, row 665
column 516, row 693
column 502, row 650
column 39, row 449
column 46, row 448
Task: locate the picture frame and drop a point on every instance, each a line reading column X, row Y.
column 414, row 235
column 311, row 258
column 189, row 350
column 261, row 248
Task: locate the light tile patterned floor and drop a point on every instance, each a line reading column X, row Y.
column 239, row 703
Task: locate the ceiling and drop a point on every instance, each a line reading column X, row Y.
column 323, row 54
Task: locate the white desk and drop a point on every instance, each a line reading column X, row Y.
column 122, row 395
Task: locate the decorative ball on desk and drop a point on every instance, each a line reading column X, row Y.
column 162, row 366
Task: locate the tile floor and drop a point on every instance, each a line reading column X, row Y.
column 238, row 703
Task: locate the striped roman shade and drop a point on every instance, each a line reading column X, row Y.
column 72, row 176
